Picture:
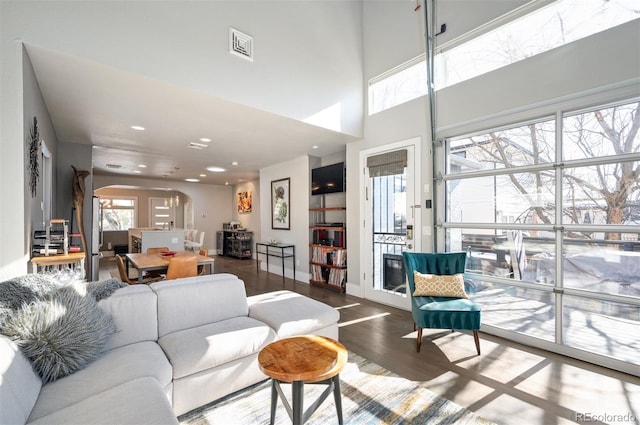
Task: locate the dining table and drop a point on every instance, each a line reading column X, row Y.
column 160, row 261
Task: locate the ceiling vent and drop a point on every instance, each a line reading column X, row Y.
column 114, row 166
column 198, row 146
column 240, row 44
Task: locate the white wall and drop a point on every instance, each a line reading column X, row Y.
column 393, row 34
column 307, row 50
column 34, row 106
column 14, row 255
column 298, row 170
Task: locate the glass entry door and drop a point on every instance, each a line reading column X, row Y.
column 391, row 217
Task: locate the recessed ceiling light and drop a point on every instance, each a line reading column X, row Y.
column 205, row 139
column 192, row 180
column 226, row 183
column 315, row 146
column 234, row 163
column 142, row 166
column 216, row 169
column 203, row 175
column 137, row 171
column 137, row 127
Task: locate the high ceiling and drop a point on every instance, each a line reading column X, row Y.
column 97, row 105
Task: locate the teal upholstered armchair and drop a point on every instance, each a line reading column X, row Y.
column 437, row 312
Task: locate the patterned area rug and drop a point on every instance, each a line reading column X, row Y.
column 370, row 395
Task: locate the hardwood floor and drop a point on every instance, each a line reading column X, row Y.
column 508, row 384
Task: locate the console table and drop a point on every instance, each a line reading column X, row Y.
column 278, row 250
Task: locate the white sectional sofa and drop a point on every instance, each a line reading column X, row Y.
column 179, row 345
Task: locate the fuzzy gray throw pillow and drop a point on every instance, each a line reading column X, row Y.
column 22, row 290
column 60, row 333
column 104, row 288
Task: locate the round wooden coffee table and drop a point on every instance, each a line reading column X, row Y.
column 309, row 359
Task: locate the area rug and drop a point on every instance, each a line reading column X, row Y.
column 370, row 395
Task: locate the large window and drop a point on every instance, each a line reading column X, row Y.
column 549, row 214
column 118, row 213
column 555, row 25
column 512, row 38
column 398, row 85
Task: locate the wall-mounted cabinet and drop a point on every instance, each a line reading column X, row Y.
column 328, row 247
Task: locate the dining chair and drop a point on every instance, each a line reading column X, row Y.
column 195, row 244
column 441, row 301
column 182, row 266
column 157, row 249
column 203, row 267
column 156, row 273
column 125, row 277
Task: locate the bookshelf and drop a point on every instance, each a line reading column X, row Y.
column 328, row 259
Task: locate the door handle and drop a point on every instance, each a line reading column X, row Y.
column 409, row 246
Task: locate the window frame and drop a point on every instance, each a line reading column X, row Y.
column 111, row 198
column 558, row 291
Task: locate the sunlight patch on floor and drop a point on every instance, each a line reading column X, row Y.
column 363, row 319
column 347, row 306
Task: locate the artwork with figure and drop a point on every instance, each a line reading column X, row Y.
column 280, row 204
column 244, row 202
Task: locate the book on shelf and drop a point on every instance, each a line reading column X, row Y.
column 329, row 255
column 337, row 277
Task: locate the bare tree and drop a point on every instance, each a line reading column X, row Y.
column 608, row 190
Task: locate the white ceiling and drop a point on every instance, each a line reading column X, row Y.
column 94, row 104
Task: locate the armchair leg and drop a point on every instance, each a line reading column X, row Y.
column 419, row 339
column 476, row 338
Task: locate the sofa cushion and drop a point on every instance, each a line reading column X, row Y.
column 134, row 310
column 137, row 402
column 19, row 385
column 291, row 314
column 204, row 347
column 212, row 384
column 196, row 301
column 114, row 367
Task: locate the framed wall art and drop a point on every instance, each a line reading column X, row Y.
column 244, row 202
column 280, row 204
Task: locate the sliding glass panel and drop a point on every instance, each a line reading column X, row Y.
column 602, row 194
column 524, row 145
column 602, row 327
column 513, row 254
column 601, row 132
column 522, row 310
column 600, row 265
column 509, row 198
